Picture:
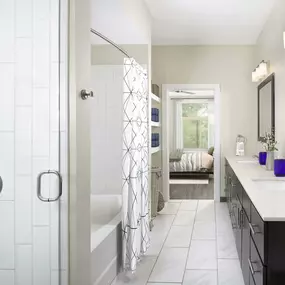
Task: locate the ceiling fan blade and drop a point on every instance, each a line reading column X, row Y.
column 186, row 92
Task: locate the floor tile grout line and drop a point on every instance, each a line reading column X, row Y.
column 227, row 258
column 162, row 247
column 213, row 270
column 185, row 268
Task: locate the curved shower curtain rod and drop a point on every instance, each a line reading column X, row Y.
column 109, row 41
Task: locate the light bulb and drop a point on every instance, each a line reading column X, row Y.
column 254, row 76
column 263, row 71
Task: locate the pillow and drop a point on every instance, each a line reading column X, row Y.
column 175, row 156
column 207, row 161
column 211, row 150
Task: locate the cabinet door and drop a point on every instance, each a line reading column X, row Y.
column 257, row 269
column 238, row 230
column 234, row 185
column 227, row 183
column 245, row 249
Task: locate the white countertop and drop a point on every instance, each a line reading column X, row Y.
column 269, row 203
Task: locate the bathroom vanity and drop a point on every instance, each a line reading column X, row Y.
column 256, row 202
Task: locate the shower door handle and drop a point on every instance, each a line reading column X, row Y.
column 39, row 186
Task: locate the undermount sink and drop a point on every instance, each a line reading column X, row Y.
column 270, row 183
column 248, row 161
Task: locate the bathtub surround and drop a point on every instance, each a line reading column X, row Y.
column 135, row 173
column 106, row 193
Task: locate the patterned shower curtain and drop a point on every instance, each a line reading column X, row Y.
column 135, row 224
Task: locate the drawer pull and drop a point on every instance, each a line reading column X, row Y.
column 252, row 226
column 241, row 219
column 251, row 267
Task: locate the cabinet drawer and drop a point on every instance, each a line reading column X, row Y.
column 239, row 191
column 245, row 249
column 257, row 231
column 257, row 270
column 246, row 204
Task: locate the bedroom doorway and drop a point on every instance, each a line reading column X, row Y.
column 191, row 141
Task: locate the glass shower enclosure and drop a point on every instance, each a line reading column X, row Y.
column 33, row 143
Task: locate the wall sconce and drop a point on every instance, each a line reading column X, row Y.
column 260, row 72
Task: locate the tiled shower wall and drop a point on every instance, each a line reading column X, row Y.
column 107, row 128
column 30, row 134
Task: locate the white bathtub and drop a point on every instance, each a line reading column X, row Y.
column 105, row 216
column 106, row 238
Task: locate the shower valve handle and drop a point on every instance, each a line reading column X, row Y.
column 85, row 95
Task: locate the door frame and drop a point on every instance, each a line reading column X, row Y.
column 166, row 89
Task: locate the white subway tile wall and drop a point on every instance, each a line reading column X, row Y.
column 30, row 127
column 106, row 135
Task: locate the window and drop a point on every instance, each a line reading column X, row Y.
column 195, row 124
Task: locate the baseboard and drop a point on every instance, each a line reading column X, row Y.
column 223, row 199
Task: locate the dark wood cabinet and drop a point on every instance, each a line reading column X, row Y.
column 245, row 252
column 227, row 184
column 260, row 244
column 257, row 231
column 257, row 269
column 238, row 230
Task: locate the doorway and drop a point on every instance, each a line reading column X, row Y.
column 190, row 96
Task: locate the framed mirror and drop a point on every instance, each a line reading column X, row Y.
column 266, row 106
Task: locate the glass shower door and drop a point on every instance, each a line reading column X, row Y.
column 33, row 203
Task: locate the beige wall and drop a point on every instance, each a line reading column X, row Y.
column 79, row 144
column 109, row 55
column 229, row 66
column 270, row 47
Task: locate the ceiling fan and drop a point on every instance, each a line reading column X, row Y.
column 185, row 92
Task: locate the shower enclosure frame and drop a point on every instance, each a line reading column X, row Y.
column 34, row 143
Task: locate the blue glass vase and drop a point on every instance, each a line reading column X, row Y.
column 262, row 158
column 279, row 167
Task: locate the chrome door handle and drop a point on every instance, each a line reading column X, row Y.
column 39, row 186
column 1, row 184
column 241, row 219
column 251, row 267
column 253, row 232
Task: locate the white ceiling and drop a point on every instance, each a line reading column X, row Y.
column 123, row 21
column 208, row 22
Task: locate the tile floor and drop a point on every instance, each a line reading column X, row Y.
column 191, row 244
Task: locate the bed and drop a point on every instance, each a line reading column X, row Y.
column 190, row 164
